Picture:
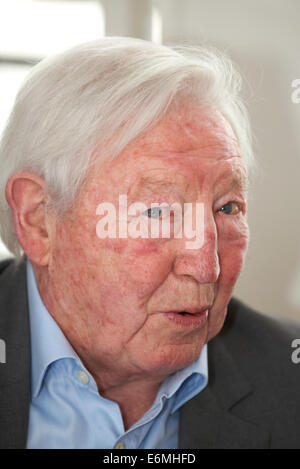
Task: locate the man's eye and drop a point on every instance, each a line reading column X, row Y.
column 155, row 212
column 231, row 208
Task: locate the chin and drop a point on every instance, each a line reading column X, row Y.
column 173, row 358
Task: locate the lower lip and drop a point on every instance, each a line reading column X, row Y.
column 188, row 320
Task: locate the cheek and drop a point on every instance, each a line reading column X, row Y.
column 147, row 261
column 75, row 246
column 232, row 248
column 117, row 270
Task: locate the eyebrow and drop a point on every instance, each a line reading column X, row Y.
column 148, row 184
column 240, row 182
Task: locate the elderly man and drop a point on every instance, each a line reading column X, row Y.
column 112, row 330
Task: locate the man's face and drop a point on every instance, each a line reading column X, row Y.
column 119, row 299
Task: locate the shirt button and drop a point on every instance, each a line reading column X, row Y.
column 82, row 376
column 120, row 445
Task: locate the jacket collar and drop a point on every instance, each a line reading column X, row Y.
column 207, row 421
column 15, row 373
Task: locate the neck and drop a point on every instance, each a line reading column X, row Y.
column 134, row 399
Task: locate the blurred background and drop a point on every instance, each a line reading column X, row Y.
column 263, row 38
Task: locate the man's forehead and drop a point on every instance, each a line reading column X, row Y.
column 176, row 149
column 189, row 131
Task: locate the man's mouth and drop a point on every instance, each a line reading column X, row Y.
column 191, row 317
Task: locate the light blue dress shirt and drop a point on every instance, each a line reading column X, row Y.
column 66, row 408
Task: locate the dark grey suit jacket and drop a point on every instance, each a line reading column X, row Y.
column 252, row 399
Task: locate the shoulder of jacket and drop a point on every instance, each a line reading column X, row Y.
column 10, row 266
column 4, row 263
column 256, row 326
column 262, row 345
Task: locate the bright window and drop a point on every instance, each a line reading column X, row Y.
column 33, row 29
column 36, row 28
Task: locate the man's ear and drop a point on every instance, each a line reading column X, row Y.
column 25, row 193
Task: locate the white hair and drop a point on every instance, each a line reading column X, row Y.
column 102, row 95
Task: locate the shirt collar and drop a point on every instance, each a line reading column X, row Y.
column 186, row 383
column 48, row 343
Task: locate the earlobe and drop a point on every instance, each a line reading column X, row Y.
column 25, row 193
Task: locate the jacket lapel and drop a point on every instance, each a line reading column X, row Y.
column 15, row 373
column 206, row 421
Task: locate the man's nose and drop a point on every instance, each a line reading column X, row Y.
column 203, row 263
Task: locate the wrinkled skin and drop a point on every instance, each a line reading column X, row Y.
column 108, row 295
